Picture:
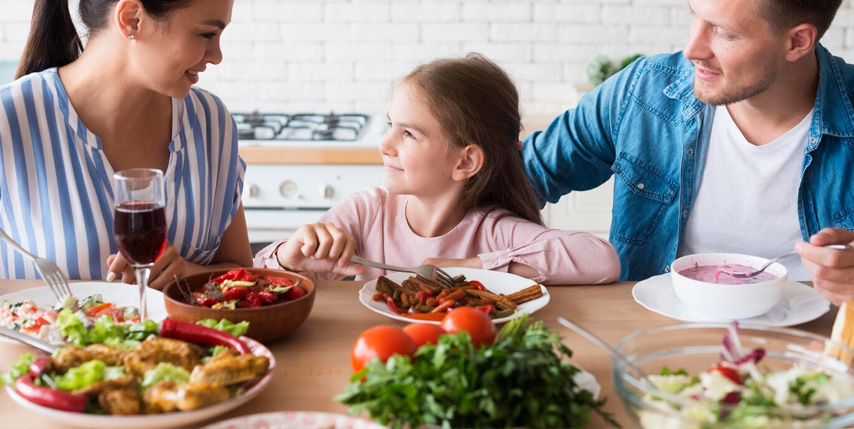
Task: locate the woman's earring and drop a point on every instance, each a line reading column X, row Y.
column 130, row 37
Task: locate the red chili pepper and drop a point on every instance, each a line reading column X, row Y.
column 201, row 335
column 39, row 365
column 279, row 281
column 51, row 398
column 251, row 301
column 392, row 305
column 268, row 298
column 227, row 276
column 294, row 293
column 477, row 285
column 488, row 309
column 235, row 293
column 206, row 301
column 244, row 276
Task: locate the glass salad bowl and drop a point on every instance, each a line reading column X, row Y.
column 725, row 375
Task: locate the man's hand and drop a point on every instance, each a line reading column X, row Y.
column 832, row 270
column 320, row 247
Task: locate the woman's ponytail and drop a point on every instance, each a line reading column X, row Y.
column 53, row 40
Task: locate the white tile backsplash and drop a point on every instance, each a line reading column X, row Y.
column 344, row 54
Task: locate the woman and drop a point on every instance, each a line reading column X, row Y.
column 72, row 119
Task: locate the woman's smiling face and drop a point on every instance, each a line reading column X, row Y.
column 418, row 156
column 172, row 52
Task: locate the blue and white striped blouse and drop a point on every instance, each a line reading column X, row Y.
column 56, row 194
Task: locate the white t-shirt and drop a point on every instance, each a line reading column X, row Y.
column 748, row 197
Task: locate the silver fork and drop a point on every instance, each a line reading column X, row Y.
column 51, row 274
column 431, row 272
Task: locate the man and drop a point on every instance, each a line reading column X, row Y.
column 741, row 143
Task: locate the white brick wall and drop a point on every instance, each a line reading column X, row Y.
column 343, row 55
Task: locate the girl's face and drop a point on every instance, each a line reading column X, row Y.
column 419, row 159
column 172, row 53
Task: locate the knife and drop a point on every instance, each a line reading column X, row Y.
column 28, row 340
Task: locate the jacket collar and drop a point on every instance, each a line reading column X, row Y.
column 833, row 114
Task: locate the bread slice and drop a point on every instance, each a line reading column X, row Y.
column 843, row 332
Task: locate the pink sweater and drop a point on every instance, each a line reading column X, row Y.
column 377, row 220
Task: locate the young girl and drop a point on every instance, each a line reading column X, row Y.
column 456, row 192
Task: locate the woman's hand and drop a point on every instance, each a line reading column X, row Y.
column 832, row 270
column 319, row 247
column 169, row 265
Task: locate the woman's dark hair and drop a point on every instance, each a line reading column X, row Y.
column 476, row 103
column 53, row 40
column 785, row 14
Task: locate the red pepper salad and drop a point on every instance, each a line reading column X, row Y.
column 240, row 288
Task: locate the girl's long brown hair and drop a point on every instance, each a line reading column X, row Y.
column 476, row 102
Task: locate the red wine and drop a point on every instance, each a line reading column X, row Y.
column 140, row 229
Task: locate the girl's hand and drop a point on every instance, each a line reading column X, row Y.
column 320, row 247
column 169, row 265
column 832, row 270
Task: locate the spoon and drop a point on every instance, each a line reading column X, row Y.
column 601, row 343
column 741, row 275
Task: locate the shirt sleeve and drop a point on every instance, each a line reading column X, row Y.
column 576, row 151
column 560, row 257
column 354, row 215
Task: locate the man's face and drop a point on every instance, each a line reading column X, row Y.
column 735, row 52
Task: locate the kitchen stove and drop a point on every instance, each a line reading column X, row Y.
column 305, row 129
column 280, row 196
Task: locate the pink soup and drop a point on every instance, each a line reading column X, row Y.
column 710, row 274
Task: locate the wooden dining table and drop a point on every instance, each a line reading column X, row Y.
column 313, row 362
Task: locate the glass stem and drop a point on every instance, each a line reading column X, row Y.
column 142, row 273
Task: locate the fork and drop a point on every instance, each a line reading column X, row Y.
column 51, row 274
column 431, row 272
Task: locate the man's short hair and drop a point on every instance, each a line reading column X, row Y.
column 785, row 14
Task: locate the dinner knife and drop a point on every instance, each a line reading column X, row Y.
column 28, row 340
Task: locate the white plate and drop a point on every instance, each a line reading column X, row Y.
column 800, row 304
column 494, row 281
column 296, row 420
column 166, row 420
column 121, row 294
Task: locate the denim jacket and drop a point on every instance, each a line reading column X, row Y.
column 645, row 125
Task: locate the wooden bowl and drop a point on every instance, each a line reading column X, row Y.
column 267, row 323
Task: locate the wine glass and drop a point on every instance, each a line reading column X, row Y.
column 140, row 222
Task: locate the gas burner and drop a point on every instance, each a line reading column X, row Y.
column 300, row 127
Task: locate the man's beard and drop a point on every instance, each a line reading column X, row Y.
column 730, row 95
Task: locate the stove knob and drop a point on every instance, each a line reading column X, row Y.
column 327, row 191
column 288, row 189
column 254, row 191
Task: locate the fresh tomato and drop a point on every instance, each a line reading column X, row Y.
column 294, row 293
column 100, row 309
column 268, row 298
column 729, row 373
column 251, row 301
column 477, row 285
column 478, row 325
column 423, row 333
column 380, row 342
